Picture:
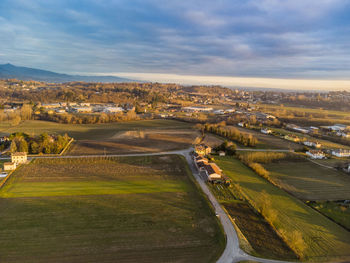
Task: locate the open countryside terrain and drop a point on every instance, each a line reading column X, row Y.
column 337, row 211
column 309, row 181
column 269, row 141
column 253, row 228
column 324, row 239
column 139, row 209
column 120, row 137
column 150, row 140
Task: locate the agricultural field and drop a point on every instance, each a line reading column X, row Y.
column 256, row 230
column 89, row 131
column 332, row 116
column 309, row 181
column 269, row 141
column 150, row 140
column 116, row 138
column 252, row 226
column 212, row 140
column 324, row 239
column 130, row 209
column 337, row 211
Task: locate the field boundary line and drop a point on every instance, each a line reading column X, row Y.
column 66, row 147
column 5, row 179
column 245, row 245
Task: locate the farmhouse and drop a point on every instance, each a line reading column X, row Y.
column 316, row 154
column 9, row 166
column 203, row 149
column 19, row 157
column 213, row 172
column 341, row 153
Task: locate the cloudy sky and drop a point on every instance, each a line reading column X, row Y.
column 283, row 39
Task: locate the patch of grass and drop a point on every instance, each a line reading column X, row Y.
column 152, row 212
column 337, row 211
column 324, row 239
column 309, row 181
column 91, row 188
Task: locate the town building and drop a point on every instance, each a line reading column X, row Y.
column 19, row 157
column 312, row 144
column 113, row 109
column 341, row 153
column 316, row 154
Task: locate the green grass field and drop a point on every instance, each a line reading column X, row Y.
column 337, row 211
column 309, row 181
column 325, row 240
column 140, row 209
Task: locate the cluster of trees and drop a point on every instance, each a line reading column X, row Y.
column 253, row 160
column 44, row 143
column 16, row 116
column 228, row 147
column 89, row 118
column 266, row 157
column 231, row 133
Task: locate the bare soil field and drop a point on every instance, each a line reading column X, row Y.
column 151, row 140
column 257, row 231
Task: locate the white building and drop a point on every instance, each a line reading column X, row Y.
column 312, row 144
column 341, row 153
column 266, row 131
column 316, row 154
column 197, row 109
column 82, row 109
column 113, row 109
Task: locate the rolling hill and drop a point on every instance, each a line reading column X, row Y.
column 9, row 71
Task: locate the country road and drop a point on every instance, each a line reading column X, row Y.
column 232, row 252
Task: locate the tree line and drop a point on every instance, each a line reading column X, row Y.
column 230, row 133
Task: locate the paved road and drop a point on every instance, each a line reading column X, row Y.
column 232, row 252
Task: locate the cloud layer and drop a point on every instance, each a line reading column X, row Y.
column 252, row 38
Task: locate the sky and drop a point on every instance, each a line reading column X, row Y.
column 288, row 41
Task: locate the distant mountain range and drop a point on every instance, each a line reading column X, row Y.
column 9, row 71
